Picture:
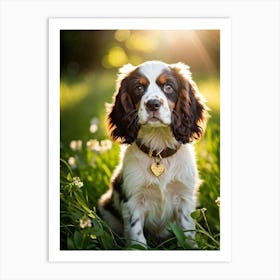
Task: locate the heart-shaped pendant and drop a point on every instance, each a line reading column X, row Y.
column 157, row 168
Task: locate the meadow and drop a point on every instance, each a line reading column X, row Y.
column 88, row 159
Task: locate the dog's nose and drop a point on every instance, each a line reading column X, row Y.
column 153, row 104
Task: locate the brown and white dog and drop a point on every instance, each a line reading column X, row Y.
column 156, row 113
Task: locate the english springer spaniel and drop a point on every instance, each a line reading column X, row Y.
column 156, row 114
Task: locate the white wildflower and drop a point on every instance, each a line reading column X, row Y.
column 77, row 182
column 76, row 145
column 218, row 201
column 94, row 125
column 72, row 162
column 93, row 128
column 101, row 147
column 106, row 145
column 93, row 145
column 85, row 222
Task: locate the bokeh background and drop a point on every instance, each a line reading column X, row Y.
column 90, row 59
column 89, row 62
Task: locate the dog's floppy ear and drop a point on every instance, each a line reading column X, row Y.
column 122, row 117
column 190, row 114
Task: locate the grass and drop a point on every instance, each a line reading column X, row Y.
column 87, row 163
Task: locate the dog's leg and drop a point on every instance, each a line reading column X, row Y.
column 187, row 223
column 133, row 225
column 109, row 212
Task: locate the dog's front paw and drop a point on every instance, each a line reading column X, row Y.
column 139, row 243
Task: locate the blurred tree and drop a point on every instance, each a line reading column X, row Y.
column 82, row 50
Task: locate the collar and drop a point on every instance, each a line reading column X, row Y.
column 167, row 152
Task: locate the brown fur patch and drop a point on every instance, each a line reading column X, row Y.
column 137, row 105
column 143, row 81
column 162, row 79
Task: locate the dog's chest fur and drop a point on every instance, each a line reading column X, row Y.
column 161, row 196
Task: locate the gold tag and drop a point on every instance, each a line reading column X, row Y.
column 157, row 168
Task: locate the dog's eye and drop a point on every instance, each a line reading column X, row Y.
column 168, row 88
column 139, row 89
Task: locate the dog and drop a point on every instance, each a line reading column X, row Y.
column 156, row 114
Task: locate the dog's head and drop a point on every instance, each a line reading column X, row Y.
column 156, row 94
